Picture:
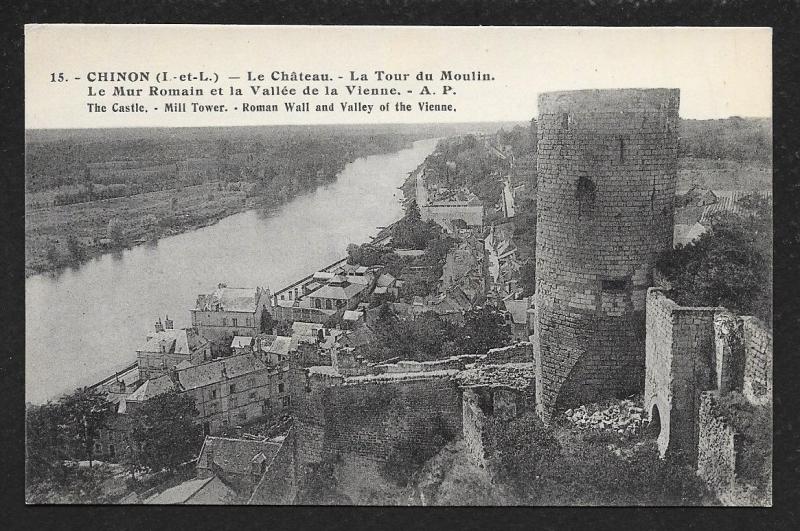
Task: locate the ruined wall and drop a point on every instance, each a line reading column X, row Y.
column 757, row 338
column 360, row 418
column 521, row 352
column 729, row 345
column 607, row 170
column 680, row 360
column 716, row 454
column 473, row 421
column 370, row 419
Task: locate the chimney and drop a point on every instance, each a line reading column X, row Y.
column 168, row 323
column 159, row 325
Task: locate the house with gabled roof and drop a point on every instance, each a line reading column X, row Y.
column 228, row 312
column 233, row 391
column 239, row 462
column 149, row 389
column 168, row 347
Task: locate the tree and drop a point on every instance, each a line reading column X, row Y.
column 418, row 339
column 353, row 254
column 75, row 248
column 83, row 414
column 42, row 441
column 267, row 322
column 368, row 254
column 730, row 265
column 87, row 180
column 163, row 431
column 115, row 230
column 412, row 211
column 484, row 328
column 51, row 253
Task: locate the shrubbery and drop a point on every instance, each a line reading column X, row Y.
column 518, row 451
column 585, row 468
column 427, row 337
column 730, row 265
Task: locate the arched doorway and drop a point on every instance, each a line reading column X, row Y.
column 654, row 427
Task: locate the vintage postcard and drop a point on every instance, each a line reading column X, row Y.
column 398, row 265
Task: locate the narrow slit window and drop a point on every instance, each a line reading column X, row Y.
column 621, row 150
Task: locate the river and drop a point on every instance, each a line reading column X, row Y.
column 84, row 323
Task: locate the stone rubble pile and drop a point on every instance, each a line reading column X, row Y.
column 625, row 417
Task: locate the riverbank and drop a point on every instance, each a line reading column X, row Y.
column 88, row 321
column 143, row 218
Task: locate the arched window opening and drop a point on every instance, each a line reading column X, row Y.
column 654, row 428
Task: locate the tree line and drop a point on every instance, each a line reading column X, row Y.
column 159, row 435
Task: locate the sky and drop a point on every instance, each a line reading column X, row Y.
column 720, row 72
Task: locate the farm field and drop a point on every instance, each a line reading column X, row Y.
column 143, row 217
column 723, row 174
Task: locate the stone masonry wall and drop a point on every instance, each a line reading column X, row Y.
column 369, row 417
column 607, row 171
column 521, row 352
column 473, row 421
column 757, row 385
column 680, row 360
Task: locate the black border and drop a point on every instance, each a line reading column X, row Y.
column 781, row 15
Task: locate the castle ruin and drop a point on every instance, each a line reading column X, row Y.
column 607, row 172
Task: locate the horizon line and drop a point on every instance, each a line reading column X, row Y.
column 349, row 124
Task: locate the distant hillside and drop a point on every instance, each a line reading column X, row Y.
column 737, row 139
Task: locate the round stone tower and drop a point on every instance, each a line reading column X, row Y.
column 607, row 170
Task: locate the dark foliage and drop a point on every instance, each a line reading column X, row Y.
column 413, row 233
column 43, row 445
column 730, row 265
column 518, row 450
column 267, row 322
column 164, row 433
column 75, row 248
column 370, row 255
column 428, row 337
column 81, row 416
column 484, row 328
column 418, row 339
column 589, row 468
